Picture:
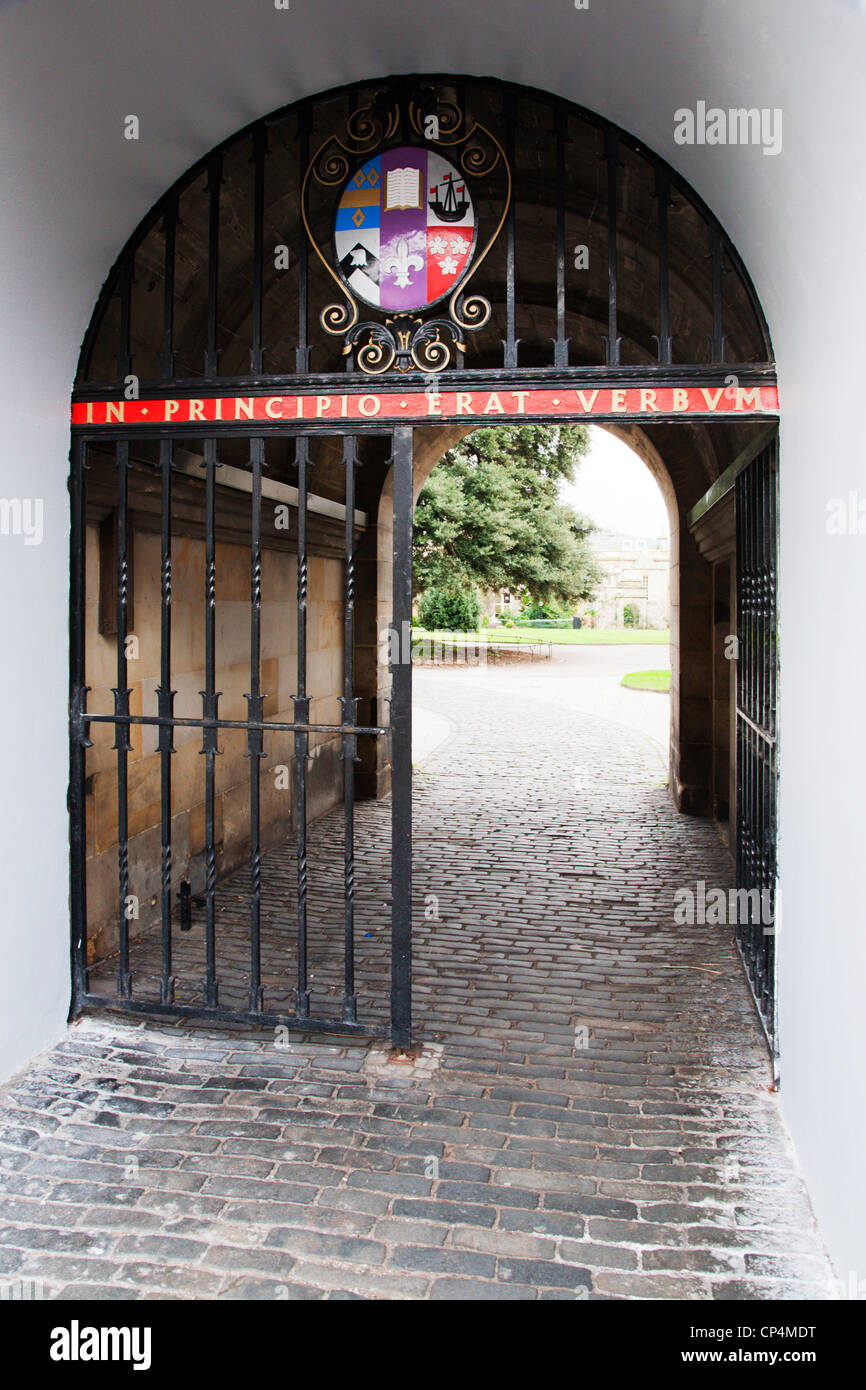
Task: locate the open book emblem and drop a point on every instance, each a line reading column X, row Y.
column 402, row 189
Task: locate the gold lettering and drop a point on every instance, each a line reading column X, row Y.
column 323, row 403
column 270, row 407
column 114, row 412
column 648, row 400
column 464, row 403
column 493, row 404
column 243, row 407
column 171, row 408
column 593, row 397
column 196, row 410
column 434, row 403
column 369, row 405
column 680, row 398
column 218, row 407
column 617, row 401
column 521, row 401
column 749, row 399
column 707, row 394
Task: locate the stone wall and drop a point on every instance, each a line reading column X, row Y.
column 278, row 681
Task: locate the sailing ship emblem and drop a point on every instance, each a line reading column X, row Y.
column 405, row 229
column 447, row 201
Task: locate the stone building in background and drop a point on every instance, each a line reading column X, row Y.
column 635, row 590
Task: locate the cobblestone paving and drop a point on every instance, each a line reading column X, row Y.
column 591, row 1117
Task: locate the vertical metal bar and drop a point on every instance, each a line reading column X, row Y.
column 401, row 744
column 349, row 739
column 560, row 346
column 719, row 336
column 121, row 708
column 260, row 140
column 302, row 351
column 79, row 741
column 612, row 341
column 166, row 356
column 511, row 342
column 211, row 361
column 774, row 535
column 165, row 707
column 663, row 193
column 255, row 737
column 210, row 702
column 124, row 354
column 302, row 716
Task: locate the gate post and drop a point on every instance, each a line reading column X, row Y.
column 401, row 743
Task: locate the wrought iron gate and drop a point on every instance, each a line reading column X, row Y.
column 420, row 248
column 116, row 473
column 757, row 724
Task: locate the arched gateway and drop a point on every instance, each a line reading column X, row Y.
column 285, row 346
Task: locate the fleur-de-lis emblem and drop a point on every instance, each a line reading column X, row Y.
column 401, row 263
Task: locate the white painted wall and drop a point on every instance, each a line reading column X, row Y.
column 72, row 190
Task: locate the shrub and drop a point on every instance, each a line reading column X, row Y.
column 449, row 610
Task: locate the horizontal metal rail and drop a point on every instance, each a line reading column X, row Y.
column 141, row 1005
column 265, row 725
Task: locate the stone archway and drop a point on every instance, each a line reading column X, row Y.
column 684, row 461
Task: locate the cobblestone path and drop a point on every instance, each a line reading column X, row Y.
column 591, row 1116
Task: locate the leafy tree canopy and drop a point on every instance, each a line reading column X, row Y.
column 490, row 516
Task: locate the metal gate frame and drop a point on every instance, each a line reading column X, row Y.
column 376, row 114
column 399, row 729
column 757, row 724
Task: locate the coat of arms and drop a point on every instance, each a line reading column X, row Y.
column 405, row 229
column 406, row 226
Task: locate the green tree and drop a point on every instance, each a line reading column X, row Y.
column 490, row 516
column 449, row 610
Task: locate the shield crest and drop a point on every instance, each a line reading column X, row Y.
column 405, row 229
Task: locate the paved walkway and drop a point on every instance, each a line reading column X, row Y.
column 591, row 1116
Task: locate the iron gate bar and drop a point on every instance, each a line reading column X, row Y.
column 260, row 143
column 273, row 725
column 302, row 351
column 121, row 709
column 349, row 739
column 124, row 354
column 255, row 736
column 717, row 346
column 265, row 1019
column 79, row 740
column 166, row 355
column 401, row 744
column 474, row 379
column 302, row 714
column 211, row 362
column 612, row 341
column 210, row 702
column 165, row 706
column 560, row 346
column 509, row 346
column 664, row 340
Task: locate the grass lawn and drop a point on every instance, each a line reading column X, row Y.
column 648, row 680
column 559, row 636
